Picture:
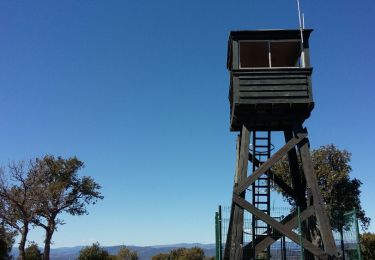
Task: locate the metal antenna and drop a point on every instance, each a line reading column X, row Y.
column 301, row 20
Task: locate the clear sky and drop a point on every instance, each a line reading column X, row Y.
column 138, row 91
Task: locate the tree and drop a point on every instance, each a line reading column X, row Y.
column 194, row 253
column 17, row 200
column 340, row 193
column 32, row 252
column 178, row 253
column 368, row 246
column 6, row 241
column 126, row 254
column 161, row 257
column 94, row 252
column 60, row 189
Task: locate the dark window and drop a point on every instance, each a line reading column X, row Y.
column 254, row 54
column 285, row 54
column 266, row 54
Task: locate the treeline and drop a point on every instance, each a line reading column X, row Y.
column 194, row 253
column 96, row 252
column 35, row 194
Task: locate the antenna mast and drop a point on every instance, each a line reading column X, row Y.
column 301, row 20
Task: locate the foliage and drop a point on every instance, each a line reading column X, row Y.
column 93, row 252
column 38, row 192
column 368, row 246
column 161, row 257
column 17, row 200
column 194, row 253
column 59, row 189
column 340, row 193
column 32, row 252
column 6, row 241
column 125, row 254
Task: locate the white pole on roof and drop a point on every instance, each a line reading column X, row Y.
column 301, row 20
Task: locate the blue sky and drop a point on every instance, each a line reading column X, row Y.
column 138, row 91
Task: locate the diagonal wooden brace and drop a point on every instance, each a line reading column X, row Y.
column 278, row 226
column 276, row 179
column 269, row 163
column 291, row 224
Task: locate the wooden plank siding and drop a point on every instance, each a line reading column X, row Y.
column 283, row 86
column 268, row 96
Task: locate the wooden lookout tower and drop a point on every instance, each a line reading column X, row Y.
column 271, row 90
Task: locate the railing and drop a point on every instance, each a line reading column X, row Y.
column 347, row 241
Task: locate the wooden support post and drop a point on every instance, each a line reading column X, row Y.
column 228, row 243
column 234, row 246
column 298, row 182
column 236, row 236
column 318, row 203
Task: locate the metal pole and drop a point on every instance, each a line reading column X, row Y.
column 358, row 238
column 217, row 235
column 300, row 233
column 301, row 27
column 284, row 248
column 220, row 235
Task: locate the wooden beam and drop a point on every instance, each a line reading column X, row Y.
column 312, row 183
column 228, row 243
column 233, row 213
column 276, row 179
column 276, row 225
column 268, row 164
column 299, row 185
column 291, row 224
column 238, row 214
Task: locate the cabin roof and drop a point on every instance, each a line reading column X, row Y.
column 269, row 34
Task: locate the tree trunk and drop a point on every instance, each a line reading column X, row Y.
column 47, row 242
column 21, row 246
column 342, row 243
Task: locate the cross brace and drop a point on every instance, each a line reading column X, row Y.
column 290, row 222
column 276, row 225
column 234, row 247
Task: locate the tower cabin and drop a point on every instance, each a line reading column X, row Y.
column 270, row 79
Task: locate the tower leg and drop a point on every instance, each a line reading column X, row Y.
column 318, row 203
column 234, row 244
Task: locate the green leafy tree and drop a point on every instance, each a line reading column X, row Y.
column 178, row 253
column 6, row 241
column 161, row 257
column 125, row 253
column 32, row 252
column 194, row 253
column 17, row 200
column 61, row 190
column 93, row 252
column 340, row 193
column 368, row 246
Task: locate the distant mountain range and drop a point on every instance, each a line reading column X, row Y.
column 144, row 252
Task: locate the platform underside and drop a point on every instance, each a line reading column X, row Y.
column 273, row 117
